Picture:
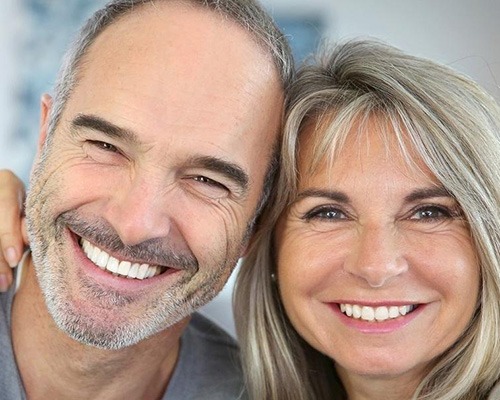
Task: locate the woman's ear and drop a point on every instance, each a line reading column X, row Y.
column 45, row 108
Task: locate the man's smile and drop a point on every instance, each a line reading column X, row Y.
column 129, row 269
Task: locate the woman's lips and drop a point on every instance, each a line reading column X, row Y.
column 376, row 319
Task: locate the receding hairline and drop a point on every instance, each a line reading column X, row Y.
column 149, row 7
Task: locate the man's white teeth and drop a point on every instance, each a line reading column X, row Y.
column 375, row 313
column 123, row 268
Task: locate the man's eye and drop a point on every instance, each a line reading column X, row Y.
column 104, row 146
column 207, row 187
column 431, row 213
column 325, row 213
column 102, row 152
column 208, row 181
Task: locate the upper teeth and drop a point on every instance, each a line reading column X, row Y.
column 125, row 268
column 368, row 313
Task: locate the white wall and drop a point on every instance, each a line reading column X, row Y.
column 462, row 33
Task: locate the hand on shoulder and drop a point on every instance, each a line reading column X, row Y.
column 12, row 230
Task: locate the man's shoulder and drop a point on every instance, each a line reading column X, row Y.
column 10, row 381
column 209, row 366
column 205, row 329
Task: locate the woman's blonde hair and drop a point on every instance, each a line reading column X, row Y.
column 454, row 126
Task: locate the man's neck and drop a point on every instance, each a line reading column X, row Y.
column 52, row 365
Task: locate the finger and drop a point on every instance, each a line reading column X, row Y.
column 11, row 207
column 5, row 276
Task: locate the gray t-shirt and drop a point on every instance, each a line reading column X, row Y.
column 208, row 367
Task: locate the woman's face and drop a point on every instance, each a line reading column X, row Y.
column 376, row 267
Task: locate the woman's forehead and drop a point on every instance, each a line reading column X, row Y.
column 323, row 143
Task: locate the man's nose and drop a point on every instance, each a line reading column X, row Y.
column 138, row 211
column 376, row 256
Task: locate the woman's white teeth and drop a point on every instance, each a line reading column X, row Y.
column 123, row 268
column 375, row 313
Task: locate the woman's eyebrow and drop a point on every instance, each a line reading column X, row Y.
column 426, row 193
column 329, row 194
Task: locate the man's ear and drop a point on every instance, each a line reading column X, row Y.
column 45, row 108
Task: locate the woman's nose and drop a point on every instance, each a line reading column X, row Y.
column 376, row 256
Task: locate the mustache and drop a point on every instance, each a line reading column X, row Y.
column 153, row 251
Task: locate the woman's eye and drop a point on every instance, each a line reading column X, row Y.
column 431, row 213
column 325, row 213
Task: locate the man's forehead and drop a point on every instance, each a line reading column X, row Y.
column 165, row 24
column 200, row 80
column 179, row 41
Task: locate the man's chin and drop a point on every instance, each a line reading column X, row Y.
column 101, row 334
column 111, row 329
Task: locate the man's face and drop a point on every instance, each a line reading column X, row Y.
column 140, row 205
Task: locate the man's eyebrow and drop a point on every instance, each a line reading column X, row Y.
column 329, row 194
column 108, row 128
column 426, row 193
column 230, row 170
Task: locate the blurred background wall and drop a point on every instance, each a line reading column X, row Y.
column 464, row 34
